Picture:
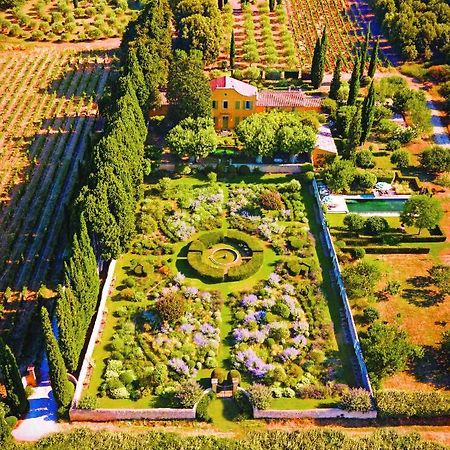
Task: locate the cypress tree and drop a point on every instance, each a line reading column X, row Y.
column 232, row 50
column 323, row 54
column 354, row 83
column 336, row 81
column 61, row 387
column 354, row 135
column 364, row 50
column 15, row 392
column 78, row 299
column 367, row 114
column 374, row 59
column 315, row 65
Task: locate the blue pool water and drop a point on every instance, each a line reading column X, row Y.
column 364, row 206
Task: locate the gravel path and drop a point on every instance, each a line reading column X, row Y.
column 41, row 419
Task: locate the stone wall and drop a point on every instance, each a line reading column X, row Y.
column 107, row 415
column 322, row 413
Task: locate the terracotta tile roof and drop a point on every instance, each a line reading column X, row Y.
column 287, row 99
column 231, row 83
column 325, row 140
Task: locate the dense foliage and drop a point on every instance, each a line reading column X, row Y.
column 420, row 29
column 356, row 399
column 422, row 211
column 387, row 350
column 78, row 298
column 392, row 403
column 116, row 162
column 62, row 389
column 265, row 133
column 15, row 392
column 84, row 439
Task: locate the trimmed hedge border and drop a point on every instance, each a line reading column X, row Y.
column 235, row 273
column 398, row 404
column 391, row 250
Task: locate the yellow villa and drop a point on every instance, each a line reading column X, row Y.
column 233, row 101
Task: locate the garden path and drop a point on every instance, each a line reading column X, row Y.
column 41, row 420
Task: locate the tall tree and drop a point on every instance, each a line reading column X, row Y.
column 323, row 54
column 15, row 392
column 354, row 83
column 315, row 65
column 188, row 90
column 232, row 50
column 354, row 136
column 364, row 51
column 78, row 299
column 336, row 81
column 368, row 113
column 422, row 212
column 374, row 59
column 61, row 387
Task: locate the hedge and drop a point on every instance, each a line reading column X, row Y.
column 398, row 404
column 197, row 246
column 245, row 270
column 253, row 243
column 414, row 182
column 212, row 238
column 211, row 273
column 391, row 250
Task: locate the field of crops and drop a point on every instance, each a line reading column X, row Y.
column 48, row 110
column 59, row 20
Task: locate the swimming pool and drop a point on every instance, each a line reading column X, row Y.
column 376, row 206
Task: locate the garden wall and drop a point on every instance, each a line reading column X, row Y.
column 94, row 334
column 322, row 413
column 107, row 415
column 266, row 168
column 349, row 323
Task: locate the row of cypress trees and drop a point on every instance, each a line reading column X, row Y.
column 105, row 206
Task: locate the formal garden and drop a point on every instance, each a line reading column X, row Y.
column 223, row 282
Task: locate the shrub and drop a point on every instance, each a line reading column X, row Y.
column 205, row 270
column 393, row 145
column 398, row 404
column 233, row 373
column 243, row 170
column 361, row 278
column 366, row 180
column 393, row 287
column 245, row 407
column 364, row 159
column 201, row 411
column 260, row 396
column 370, row 314
column 88, row 402
column 375, row 225
column 188, row 394
column 312, row 391
column 171, row 307
column 309, row 176
column 356, row 399
column 220, row 374
column 358, row 253
column 271, row 200
column 354, row 222
column 436, row 159
column 400, row 158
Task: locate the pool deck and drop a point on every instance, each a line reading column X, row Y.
column 338, row 204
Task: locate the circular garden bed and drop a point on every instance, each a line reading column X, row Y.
column 225, row 255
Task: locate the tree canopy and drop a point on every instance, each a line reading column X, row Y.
column 422, row 211
column 193, row 137
column 387, row 350
column 264, row 133
column 436, row 159
column 188, row 89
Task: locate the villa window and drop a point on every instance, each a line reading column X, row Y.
column 236, row 121
column 214, row 104
column 225, row 104
column 248, row 105
column 238, row 104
